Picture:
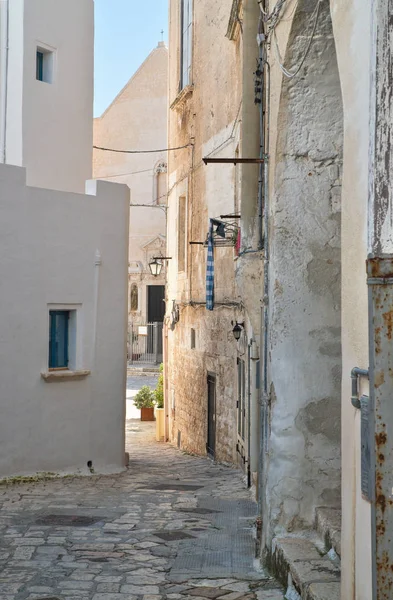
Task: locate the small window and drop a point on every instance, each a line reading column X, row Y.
column 40, row 66
column 44, row 65
column 192, row 339
column 58, row 338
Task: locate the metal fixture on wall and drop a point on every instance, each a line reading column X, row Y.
column 156, row 265
column 237, row 330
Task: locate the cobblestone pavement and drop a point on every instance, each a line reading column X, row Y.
column 173, row 527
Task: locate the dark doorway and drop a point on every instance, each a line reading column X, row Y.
column 211, row 414
column 155, row 303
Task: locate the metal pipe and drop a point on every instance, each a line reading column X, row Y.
column 264, row 389
column 355, row 374
column 261, row 150
column 249, row 413
column 4, row 35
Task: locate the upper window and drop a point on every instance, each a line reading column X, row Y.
column 185, row 42
column 44, row 65
column 58, row 338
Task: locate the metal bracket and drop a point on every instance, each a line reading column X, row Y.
column 356, row 373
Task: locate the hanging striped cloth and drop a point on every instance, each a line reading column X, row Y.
column 210, row 269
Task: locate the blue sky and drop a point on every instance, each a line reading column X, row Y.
column 126, row 31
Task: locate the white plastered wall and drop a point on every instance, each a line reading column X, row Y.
column 352, row 32
column 75, row 255
column 49, row 125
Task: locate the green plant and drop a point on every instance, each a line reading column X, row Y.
column 159, row 391
column 145, row 398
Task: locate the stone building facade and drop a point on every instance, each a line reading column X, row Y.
column 203, row 357
column 308, row 218
column 137, row 120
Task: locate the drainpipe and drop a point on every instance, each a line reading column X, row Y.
column 249, row 413
column 4, row 37
column 261, row 147
column 264, row 334
column 97, row 265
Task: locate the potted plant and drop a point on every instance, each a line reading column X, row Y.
column 159, row 399
column 144, row 400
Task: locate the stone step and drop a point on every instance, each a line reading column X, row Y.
column 328, row 526
column 309, row 575
column 137, row 372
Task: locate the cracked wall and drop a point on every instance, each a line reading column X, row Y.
column 303, row 459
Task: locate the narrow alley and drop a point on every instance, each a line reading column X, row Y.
column 172, row 526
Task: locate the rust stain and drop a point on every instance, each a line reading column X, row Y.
column 381, row 438
column 378, row 340
column 388, row 318
column 381, row 501
column 379, row 378
column 381, row 457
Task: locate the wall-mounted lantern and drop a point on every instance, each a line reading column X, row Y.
column 156, row 264
column 155, row 267
column 237, row 330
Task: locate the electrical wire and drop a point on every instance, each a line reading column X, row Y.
column 140, row 151
column 123, row 174
column 289, row 74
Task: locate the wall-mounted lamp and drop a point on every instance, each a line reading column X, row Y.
column 237, row 330
column 156, row 264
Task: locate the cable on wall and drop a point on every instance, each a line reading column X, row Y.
column 140, row 151
column 289, row 74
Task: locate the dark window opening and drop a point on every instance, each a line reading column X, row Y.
column 58, row 338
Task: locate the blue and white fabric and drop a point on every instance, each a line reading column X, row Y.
column 210, row 269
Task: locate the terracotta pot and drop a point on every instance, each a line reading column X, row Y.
column 147, row 414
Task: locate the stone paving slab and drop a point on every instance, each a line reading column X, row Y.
column 95, row 538
column 324, row 591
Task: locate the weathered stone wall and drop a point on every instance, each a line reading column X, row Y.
column 303, row 460
column 211, row 122
column 214, row 352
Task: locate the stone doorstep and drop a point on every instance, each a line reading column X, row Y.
column 328, row 526
column 324, row 591
column 315, row 577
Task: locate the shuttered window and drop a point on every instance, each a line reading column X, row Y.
column 186, row 43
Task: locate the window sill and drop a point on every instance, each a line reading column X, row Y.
column 57, row 376
column 182, row 97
